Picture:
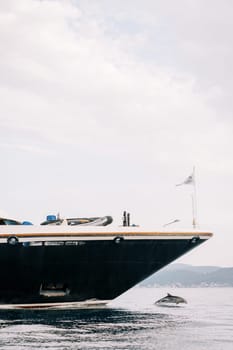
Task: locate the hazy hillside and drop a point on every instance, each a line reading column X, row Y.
column 182, row 275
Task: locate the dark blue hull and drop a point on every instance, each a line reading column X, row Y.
column 93, row 269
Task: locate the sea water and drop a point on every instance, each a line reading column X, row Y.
column 131, row 322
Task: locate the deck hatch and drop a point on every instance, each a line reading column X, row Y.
column 54, row 289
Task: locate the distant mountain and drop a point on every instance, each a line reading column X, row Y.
column 202, row 269
column 181, row 275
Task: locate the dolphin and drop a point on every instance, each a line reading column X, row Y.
column 171, row 299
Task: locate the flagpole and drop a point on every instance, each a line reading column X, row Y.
column 194, row 200
column 193, row 211
column 191, row 180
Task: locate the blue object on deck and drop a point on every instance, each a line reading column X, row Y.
column 26, row 223
column 51, row 217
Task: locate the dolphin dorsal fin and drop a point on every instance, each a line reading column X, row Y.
column 168, row 295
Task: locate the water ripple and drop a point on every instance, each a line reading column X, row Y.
column 126, row 325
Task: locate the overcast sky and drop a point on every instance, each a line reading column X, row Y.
column 106, row 105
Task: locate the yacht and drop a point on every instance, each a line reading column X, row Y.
column 82, row 262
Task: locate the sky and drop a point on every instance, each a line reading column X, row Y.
column 107, row 105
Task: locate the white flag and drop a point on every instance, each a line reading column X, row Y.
column 188, row 181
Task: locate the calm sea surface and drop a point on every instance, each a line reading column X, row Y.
column 130, row 322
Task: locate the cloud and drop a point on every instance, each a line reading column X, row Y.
column 73, row 82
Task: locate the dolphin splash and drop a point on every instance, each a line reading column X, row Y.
column 171, row 299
